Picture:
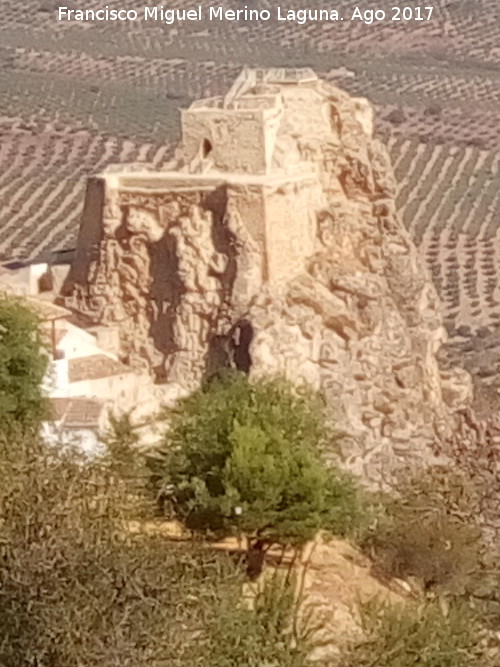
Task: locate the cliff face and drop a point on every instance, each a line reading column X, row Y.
column 274, row 245
column 363, row 323
column 344, row 330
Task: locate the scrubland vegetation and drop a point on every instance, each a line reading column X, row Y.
column 77, row 588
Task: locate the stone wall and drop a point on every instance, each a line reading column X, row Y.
column 231, row 142
column 158, row 272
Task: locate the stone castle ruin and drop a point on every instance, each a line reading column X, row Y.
column 272, row 244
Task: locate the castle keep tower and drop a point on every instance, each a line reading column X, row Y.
column 174, row 257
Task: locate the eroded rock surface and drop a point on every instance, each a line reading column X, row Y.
column 334, row 579
column 272, row 244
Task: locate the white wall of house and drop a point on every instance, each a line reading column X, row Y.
column 56, row 383
column 77, row 343
column 125, row 390
column 86, row 440
column 24, row 281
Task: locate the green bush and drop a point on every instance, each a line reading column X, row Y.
column 429, row 532
column 245, row 457
column 427, row 635
column 23, row 363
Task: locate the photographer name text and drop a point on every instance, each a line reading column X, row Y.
column 367, row 15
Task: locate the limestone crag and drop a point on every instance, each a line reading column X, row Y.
column 333, row 580
column 272, row 244
column 363, row 324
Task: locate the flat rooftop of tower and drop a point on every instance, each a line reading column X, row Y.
column 286, row 75
column 178, row 180
column 253, row 79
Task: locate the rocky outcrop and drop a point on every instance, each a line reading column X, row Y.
column 363, row 324
column 474, row 448
column 334, row 580
column 273, row 245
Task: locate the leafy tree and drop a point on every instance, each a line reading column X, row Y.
column 245, row 457
column 23, row 364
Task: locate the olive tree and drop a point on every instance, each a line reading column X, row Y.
column 245, row 457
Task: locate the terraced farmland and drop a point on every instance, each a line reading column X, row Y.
column 43, row 185
column 450, row 201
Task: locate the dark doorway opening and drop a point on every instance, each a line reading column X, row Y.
column 206, row 148
column 242, row 337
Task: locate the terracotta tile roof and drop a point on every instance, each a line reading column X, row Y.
column 78, row 412
column 94, row 367
column 46, row 310
column 60, row 405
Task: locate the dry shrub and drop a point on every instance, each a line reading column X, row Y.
column 429, row 531
column 266, row 635
column 428, row 635
column 78, row 590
